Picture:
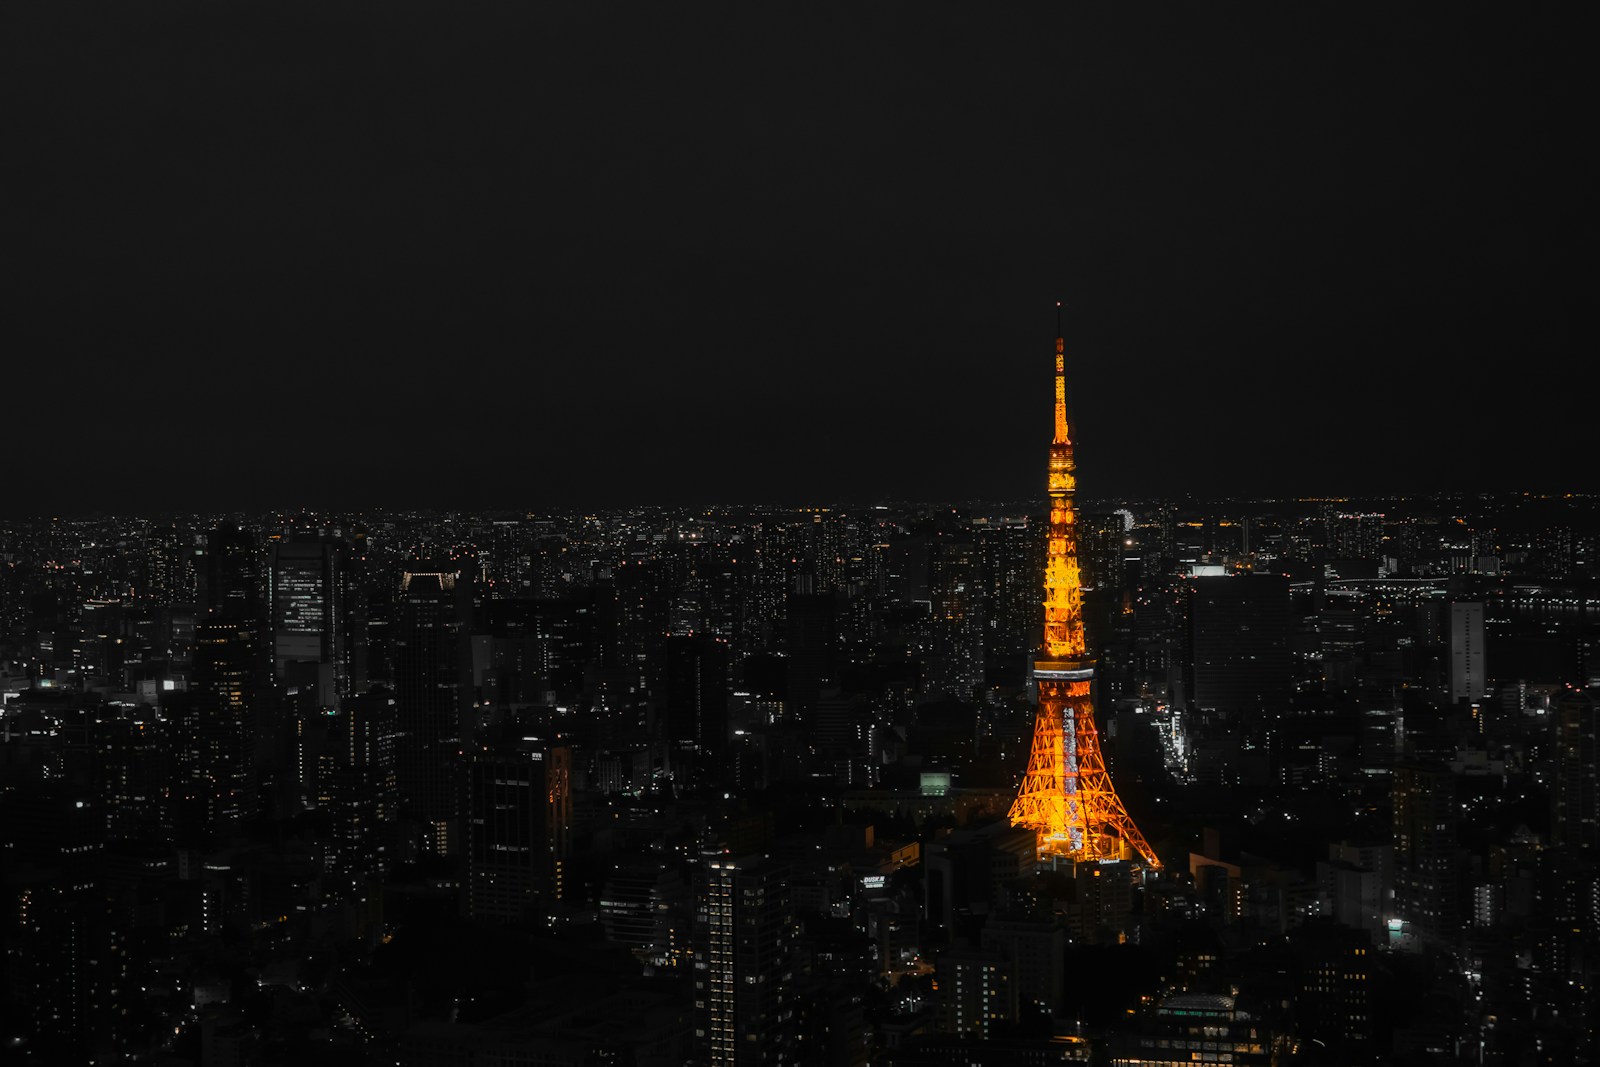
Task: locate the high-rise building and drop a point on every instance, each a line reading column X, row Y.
column 227, row 683
column 66, row 963
column 518, row 825
column 361, row 789
column 1355, row 535
column 645, row 905
column 1468, row 680
column 811, row 636
column 308, row 580
column 1425, row 867
column 691, row 694
column 645, row 591
column 743, row 945
column 1186, row 1028
column 231, row 583
column 1333, row 995
column 123, row 768
column 513, row 650
column 957, row 622
column 1565, row 933
column 1010, row 557
column 1035, row 948
column 430, row 692
column 1239, row 643
column 1353, row 885
column 1103, row 909
column 227, row 694
column 964, row 869
column 825, row 548
column 977, row 991
column 1575, row 790
column 1104, row 543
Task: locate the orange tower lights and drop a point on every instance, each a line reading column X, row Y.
column 1066, row 794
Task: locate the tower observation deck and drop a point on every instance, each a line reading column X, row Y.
column 1066, row 794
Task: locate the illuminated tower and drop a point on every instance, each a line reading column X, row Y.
column 1067, row 796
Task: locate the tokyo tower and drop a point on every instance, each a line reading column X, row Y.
column 1067, row 796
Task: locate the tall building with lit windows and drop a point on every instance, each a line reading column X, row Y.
column 361, row 785
column 977, row 992
column 230, row 575
column 227, row 683
column 1425, row 854
column 1467, row 665
column 518, row 823
column 957, row 623
column 430, row 691
column 744, row 1009
column 1333, row 1002
column 307, row 580
column 1011, row 558
column 1195, row 1028
column 66, row 964
column 1575, row 792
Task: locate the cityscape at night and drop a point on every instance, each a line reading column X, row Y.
column 609, row 536
column 646, row 786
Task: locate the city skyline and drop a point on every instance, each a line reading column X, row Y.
column 641, row 780
column 587, row 259
column 873, row 536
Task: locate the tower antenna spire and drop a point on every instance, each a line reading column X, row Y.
column 1066, row 794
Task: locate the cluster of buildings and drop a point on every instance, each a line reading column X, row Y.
column 728, row 786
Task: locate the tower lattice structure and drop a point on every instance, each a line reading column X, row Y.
column 1067, row 795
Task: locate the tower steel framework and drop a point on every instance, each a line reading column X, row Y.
column 1067, row 795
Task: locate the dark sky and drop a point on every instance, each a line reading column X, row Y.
column 335, row 254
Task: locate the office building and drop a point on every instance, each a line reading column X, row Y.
column 430, row 665
column 518, row 829
column 1425, row 852
column 1468, row 680
column 1238, row 640
column 744, row 933
column 316, row 621
column 1575, row 791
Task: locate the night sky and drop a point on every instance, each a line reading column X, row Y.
column 336, row 254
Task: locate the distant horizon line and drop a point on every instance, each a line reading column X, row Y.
column 889, row 504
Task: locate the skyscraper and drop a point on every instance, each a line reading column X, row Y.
column 231, row 575
column 743, row 942
column 430, row 669
column 519, row 819
column 306, row 583
column 1425, row 867
column 361, row 789
column 646, row 905
column 1239, row 643
column 691, row 694
column 1576, row 788
column 1467, row 666
column 227, row 682
column 957, row 623
column 1333, row 999
column 977, row 991
column 811, row 636
column 1011, row 558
